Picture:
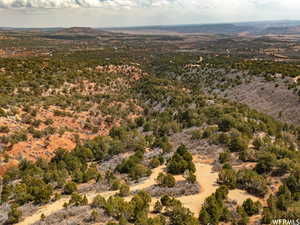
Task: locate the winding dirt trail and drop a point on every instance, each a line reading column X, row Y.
column 58, row 205
column 205, row 177
column 208, row 185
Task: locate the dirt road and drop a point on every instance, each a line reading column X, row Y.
column 205, row 177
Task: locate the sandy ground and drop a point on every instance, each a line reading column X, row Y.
column 208, row 185
column 207, row 180
column 240, row 196
column 58, row 205
column 205, row 177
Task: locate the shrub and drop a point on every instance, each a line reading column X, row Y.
column 69, row 188
column 181, row 161
column 238, row 144
column 266, row 162
column 248, row 155
column 124, row 190
column 209, row 131
column 14, row 215
column 224, row 157
column 94, row 216
column 214, row 210
column 204, row 217
column 127, row 164
column 157, row 207
column 38, row 189
column 89, row 174
column 244, row 219
column 196, row 134
column 252, row 182
column 48, row 121
column 98, row 202
column 133, row 167
column 77, row 199
column 4, row 129
column 155, row 162
column 166, row 180
column 250, row 207
column 190, row 177
column 226, row 123
column 116, row 184
column 182, row 216
column 258, row 143
column 228, row 177
column 139, row 171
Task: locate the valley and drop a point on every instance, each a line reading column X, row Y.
column 129, row 126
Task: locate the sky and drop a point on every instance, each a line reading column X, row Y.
column 118, row 13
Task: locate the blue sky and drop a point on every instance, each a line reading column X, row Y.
column 103, row 13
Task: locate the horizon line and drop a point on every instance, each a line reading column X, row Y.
column 153, row 25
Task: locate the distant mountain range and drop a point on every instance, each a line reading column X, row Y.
column 257, row 28
column 282, row 30
column 269, row 27
column 207, row 28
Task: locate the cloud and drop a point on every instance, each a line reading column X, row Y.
column 202, row 4
column 54, row 4
column 104, row 13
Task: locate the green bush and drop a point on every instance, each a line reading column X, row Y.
column 77, row 199
column 14, row 215
column 155, row 162
column 181, row 161
column 214, row 210
column 228, row 177
column 133, row 167
column 238, row 144
column 252, row 182
column 224, row 157
column 98, row 202
column 4, row 129
column 250, row 207
column 124, row 190
column 191, row 177
column 166, row 180
column 69, row 188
